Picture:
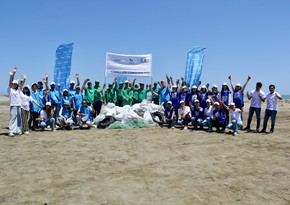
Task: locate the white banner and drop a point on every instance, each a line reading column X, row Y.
column 128, row 65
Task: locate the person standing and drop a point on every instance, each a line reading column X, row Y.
column 256, row 96
column 127, row 94
column 15, row 123
column 118, row 89
column 155, row 97
column 98, row 98
column 271, row 109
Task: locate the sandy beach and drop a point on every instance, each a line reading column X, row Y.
column 146, row 166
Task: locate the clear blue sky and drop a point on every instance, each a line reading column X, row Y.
column 249, row 37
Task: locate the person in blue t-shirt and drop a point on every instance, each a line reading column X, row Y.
column 169, row 115
column 163, row 93
column 174, row 98
column 85, row 115
column 65, row 116
column 196, row 114
column 219, row 118
column 224, row 96
column 72, row 89
column 203, row 96
column 238, row 93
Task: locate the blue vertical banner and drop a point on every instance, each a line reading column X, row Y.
column 63, row 65
column 194, row 65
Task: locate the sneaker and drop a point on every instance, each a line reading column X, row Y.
column 172, row 127
column 54, row 130
column 26, row 133
column 11, row 134
column 256, row 131
column 262, row 131
column 235, row 133
column 246, row 128
column 19, row 133
column 185, row 128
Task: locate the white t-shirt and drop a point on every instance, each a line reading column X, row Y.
column 208, row 111
column 14, row 96
column 185, row 111
column 43, row 115
column 256, row 101
column 25, row 101
column 236, row 115
column 272, row 100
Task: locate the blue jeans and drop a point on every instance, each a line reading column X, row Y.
column 207, row 122
column 235, row 125
column 272, row 114
column 50, row 121
column 258, row 115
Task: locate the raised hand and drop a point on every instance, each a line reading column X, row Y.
column 249, row 77
column 15, row 70
column 230, row 77
column 77, row 76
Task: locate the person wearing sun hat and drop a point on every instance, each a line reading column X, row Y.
column 15, row 122
column 236, row 120
column 219, row 118
column 89, row 91
column 196, row 114
column 127, row 94
column 184, row 112
column 118, row 90
column 110, row 93
column 72, row 89
column 208, row 116
column 169, row 115
column 224, row 96
column 155, row 89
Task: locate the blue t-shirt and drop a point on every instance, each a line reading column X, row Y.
column 78, row 98
column 164, row 95
column 168, row 112
column 66, row 113
column 33, row 106
column 219, row 116
column 53, row 97
column 197, row 112
column 238, row 98
column 202, row 97
column 71, row 91
column 224, row 96
column 86, row 110
column 183, row 96
column 174, row 98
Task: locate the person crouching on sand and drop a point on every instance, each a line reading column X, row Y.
column 46, row 117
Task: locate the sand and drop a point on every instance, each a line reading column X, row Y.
column 145, row 166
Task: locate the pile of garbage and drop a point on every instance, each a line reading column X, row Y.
column 139, row 115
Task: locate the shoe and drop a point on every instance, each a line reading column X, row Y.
column 19, row 133
column 271, row 131
column 246, row 128
column 235, row 133
column 185, row 128
column 54, row 130
column 172, row 127
column 256, row 131
column 262, row 131
column 26, row 133
column 11, row 134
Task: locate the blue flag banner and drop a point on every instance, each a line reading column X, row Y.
column 63, row 65
column 194, row 65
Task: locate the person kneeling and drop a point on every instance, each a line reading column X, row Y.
column 184, row 112
column 169, row 115
column 65, row 116
column 236, row 119
column 85, row 115
column 219, row 119
column 46, row 117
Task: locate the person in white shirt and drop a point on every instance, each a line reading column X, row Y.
column 15, row 123
column 271, row 109
column 208, row 116
column 236, row 117
column 184, row 112
column 256, row 96
column 46, row 117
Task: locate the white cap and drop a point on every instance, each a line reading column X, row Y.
column 72, row 82
column 169, row 102
column 238, row 84
column 52, row 83
column 182, row 101
column 225, row 84
column 203, row 86
column 127, row 81
column 65, row 90
column 196, row 101
column 48, row 103
column 15, row 82
column 27, row 86
column 184, row 87
column 208, row 100
column 216, row 103
column 214, row 86
column 194, row 86
column 174, row 86
column 232, row 104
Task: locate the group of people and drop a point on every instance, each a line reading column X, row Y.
column 35, row 107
